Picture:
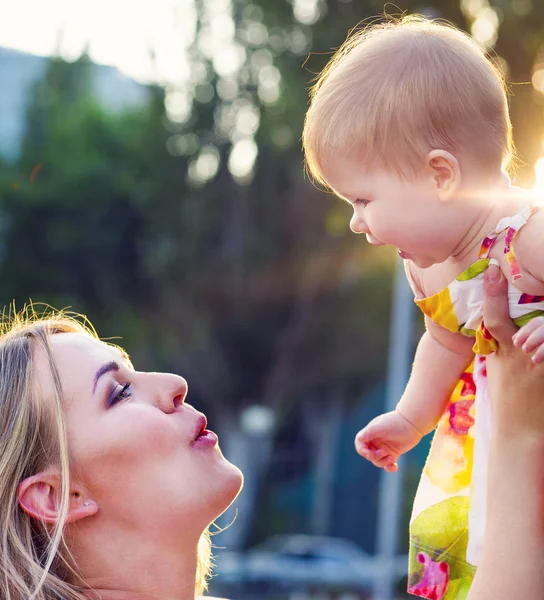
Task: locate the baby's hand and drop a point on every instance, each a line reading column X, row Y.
column 530, row 338
column 385, row 438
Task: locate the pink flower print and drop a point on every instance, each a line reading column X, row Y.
column 510, row 234
column 462, row 416
column 485, row 332
column 434, row 583
column 486, row 245
column 482, row 360
column 530, row 299
column 469, row 387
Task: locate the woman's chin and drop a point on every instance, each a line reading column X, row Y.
column 219, row 490
column 233, row 480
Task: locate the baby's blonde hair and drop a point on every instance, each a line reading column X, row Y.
column 397, row 90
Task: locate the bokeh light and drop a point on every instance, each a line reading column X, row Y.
column 204, row 167
column 242, row 159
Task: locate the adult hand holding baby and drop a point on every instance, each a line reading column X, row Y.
column 516, row 382
column 513, row 551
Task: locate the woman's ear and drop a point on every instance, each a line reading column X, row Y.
column 39, row 497
column 444, row 169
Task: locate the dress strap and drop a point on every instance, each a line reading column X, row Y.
column 510, row 225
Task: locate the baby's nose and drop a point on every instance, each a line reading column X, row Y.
column 358, row 225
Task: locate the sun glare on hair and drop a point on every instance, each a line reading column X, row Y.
column 539, row 175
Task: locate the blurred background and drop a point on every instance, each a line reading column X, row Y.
column 151, row 177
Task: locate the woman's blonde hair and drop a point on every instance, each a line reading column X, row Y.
column 397, row 90
column 35, row 563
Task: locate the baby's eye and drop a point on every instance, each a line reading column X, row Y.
column 361, row 201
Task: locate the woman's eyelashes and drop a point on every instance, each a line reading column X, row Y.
column 120, row 393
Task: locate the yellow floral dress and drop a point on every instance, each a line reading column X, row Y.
column 448, row 517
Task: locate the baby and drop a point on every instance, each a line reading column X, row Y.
column 409, row 124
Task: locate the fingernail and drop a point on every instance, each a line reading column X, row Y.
column 493, row 272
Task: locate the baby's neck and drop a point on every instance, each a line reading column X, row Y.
column 501, row 202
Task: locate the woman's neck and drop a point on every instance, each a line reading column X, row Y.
column 132, row 566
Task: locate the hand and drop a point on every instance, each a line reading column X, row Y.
column 516, row 383
column 530, row 338
column 385, row 438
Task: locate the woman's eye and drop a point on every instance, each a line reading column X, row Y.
column 123, row 393
column 361, row 201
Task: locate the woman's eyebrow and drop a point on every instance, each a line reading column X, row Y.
column 111, row 366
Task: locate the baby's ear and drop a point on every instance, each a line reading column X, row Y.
column 39, row 497
column 444, row 170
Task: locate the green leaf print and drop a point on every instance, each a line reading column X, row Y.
column 524, row 319
column 458, row 588
column 474, row 270
column 467, row 332
column 441, row 531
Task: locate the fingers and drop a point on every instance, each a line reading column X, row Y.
column 530, row 338
column 367, row 450
column 381, row 458
column 496, row 315
column 538, row 356
column 377, row 456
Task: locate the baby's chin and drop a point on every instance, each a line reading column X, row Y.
column 418, row 261
column 423, row 263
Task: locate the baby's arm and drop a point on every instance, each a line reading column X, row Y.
column 440, row 360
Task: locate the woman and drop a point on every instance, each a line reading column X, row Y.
column 146, row 477
column 108, row 478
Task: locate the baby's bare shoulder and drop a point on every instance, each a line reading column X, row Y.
column 529, row 249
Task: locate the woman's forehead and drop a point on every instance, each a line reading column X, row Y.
column 81, row 353
column 81, row 344
column 77, row 359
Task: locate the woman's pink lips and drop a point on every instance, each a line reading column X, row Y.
column 205, row 438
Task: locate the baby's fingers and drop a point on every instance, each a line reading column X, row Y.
column 368, row 450
column 527, row 332
column 538, row 355
column 384, row 460
column 533, row 343
column 378, row 457
column 387, row 463
column 365, row 439
column 391, row 467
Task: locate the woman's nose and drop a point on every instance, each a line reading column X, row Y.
column 357, row 224
column 170, row 391
column 180, row 392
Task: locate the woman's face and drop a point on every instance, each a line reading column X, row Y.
column 134, row 442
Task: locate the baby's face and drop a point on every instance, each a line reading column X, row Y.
column 404, row 213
